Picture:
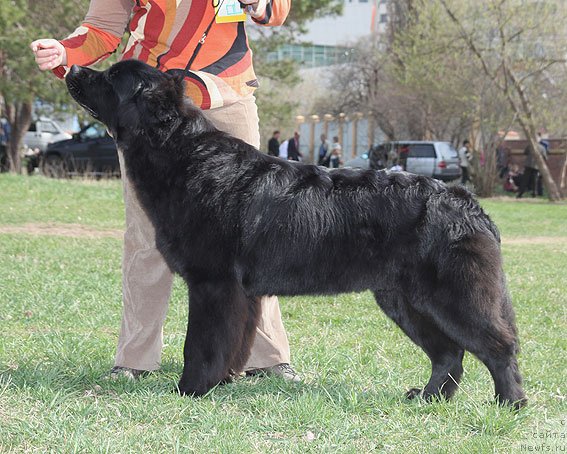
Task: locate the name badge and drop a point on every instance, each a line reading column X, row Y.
column 230, row 11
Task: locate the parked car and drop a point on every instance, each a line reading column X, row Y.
column 90, row 151
column 43, row 132
column 432, row 159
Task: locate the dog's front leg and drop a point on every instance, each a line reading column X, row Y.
column 221, row 328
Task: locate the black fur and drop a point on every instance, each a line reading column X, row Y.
column 237, row 224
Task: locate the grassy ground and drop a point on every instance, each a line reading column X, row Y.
column 60, row 313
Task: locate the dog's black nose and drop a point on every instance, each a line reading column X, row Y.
column 75, row 69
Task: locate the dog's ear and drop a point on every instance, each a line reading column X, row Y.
column 159, row 101
column 127, row 86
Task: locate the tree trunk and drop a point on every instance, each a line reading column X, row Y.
column 526, row 120
column 484, row 159
column 553, row 192
column 19, row 116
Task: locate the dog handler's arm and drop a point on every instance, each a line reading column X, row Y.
column 98, row 36
column 268, row 12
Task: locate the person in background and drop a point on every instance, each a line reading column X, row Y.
column 403, row 156
column 283, row 149
column 293, row 153
column 274, row 144
column 529, row 179
column 545, row 153
column 464, row 161
column 324, row 155
column 221, row 80
column 336, row 153
column 502, row 160
column 4, row 140
column 513, row 178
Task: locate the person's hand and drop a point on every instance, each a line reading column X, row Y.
column 49, row 53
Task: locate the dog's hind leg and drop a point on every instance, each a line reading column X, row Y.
column 445, row 355
column 222, row 319
column 492, row 338
column 474, row 309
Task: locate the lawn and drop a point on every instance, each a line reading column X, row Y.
column 60, row 314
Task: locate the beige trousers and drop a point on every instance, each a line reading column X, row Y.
column 147, row 280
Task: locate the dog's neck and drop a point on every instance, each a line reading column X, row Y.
column 177, row 122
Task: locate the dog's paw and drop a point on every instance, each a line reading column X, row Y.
column 184, row 389
column 413, row 393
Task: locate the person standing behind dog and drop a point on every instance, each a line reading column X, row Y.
column 274, row 144
column 464, row 161
column 293, row 153
column 221, row 80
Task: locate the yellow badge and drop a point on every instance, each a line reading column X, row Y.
column 230, row 11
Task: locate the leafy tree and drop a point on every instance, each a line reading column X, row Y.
column 520, row 47
column 455, row 69
column 21, row 83
column 462, row 102
column 22, row 21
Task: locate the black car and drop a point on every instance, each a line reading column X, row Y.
column 91, row 151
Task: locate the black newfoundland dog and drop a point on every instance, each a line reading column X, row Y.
column 237, row 224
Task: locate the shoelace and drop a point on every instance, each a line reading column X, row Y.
column 286, row 368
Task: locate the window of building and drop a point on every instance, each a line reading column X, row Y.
column 310, row 56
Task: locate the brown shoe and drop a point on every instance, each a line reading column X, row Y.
column 118, row 372
column 283, row 370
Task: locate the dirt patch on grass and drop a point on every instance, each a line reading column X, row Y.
column 66, row 230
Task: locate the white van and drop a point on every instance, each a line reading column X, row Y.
column 432, row 159
column 42, row 132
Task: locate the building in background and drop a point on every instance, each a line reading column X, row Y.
column 329, row 42
column 329, row 39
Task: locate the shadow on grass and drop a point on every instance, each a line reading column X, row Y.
column 81, row 379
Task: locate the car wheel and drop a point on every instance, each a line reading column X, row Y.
column 54, row 166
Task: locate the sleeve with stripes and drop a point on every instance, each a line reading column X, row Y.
column 99, row 35
column 271, row 12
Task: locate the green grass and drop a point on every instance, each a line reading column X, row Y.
column 60, row 314
column 528, row 217
column 37, row 199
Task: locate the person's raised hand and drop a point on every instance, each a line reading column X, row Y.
column 49, row 53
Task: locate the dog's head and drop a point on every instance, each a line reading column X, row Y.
column 129, row 97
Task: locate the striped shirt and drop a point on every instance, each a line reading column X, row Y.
column 164, row 34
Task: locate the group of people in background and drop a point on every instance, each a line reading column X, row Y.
column 329, row 154
column 288, row 149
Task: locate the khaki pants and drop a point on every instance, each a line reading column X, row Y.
column 147, row 279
